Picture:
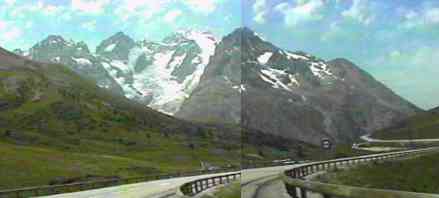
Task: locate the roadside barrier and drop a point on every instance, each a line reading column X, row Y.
column 298, row 187
column 81, row 186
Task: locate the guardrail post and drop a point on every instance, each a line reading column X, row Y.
column 302, row 193
column 292, row 191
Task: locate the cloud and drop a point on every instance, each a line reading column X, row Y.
column 202, row 6
column 9, row 32
column 360, row 12
column 259, row 5
column 172, row 15
column 90, row 6
column 429, row 16
column 395, row 54
column 259, row 9
column 49, row 9
column 12, row 34
column 144, row 9
column 3, row 25
column 28, row 24
column 302, row 11
column 90, row 25
column 31, row 9
column 10, row 2
column 432, row 16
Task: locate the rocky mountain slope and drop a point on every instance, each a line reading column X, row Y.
column 291, row 94
column 55, row 49
column 240, row 80
column 424, row 125
column 158, row 74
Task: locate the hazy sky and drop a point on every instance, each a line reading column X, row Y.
column 395, row 40
column 25, row 22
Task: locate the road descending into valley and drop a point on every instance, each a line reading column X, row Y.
column 255, row 183
column 166, row 188
column 266, row 182
column 367, row 138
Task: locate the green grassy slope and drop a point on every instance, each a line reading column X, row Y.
column 56, row 126
column 416, row 175
column 420, row 126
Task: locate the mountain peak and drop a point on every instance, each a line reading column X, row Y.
column 244, row 35
column 244, row 30
column 55, row 40
column 341, row 61
column 54, row 37
column 116, row 46
column 119, row 35
column 188, row 35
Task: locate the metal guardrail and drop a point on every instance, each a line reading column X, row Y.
column 81, row 186
column 297, row 187
column 194, row 187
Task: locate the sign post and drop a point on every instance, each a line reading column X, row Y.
column 326, row 144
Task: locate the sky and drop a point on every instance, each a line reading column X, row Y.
column 397, row 41
column 25, row 22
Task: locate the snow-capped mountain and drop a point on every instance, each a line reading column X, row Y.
column 162, row 74
column 242, row 79
column 75, row 55
column 116, row 47
column 291, row 94
column 159, row 74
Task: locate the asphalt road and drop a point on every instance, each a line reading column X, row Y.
column 155, row 189
column 263, row 182
column 255, row 183
column 266, row 183
column 369, row 139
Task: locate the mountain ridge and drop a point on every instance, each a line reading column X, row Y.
column 157, row 74
column 291, row 94
column 193, row 76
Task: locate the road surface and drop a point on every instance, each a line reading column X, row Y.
column 155, row 189
column 367, row 138
column 263, row 182
column 266, row 183
column 255, row 183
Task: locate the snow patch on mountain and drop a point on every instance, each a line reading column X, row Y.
column 206, row 42
column 320, row 69
column 273, row 76
column 295, row 56
column 177, row 61
column 120, row 65
column 110, row 47
column 82, row 61
column 159, row 72
column 263, row 59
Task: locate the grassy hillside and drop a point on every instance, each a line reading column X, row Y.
column 421, row 126
column 57, row 127
column 416, row 175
